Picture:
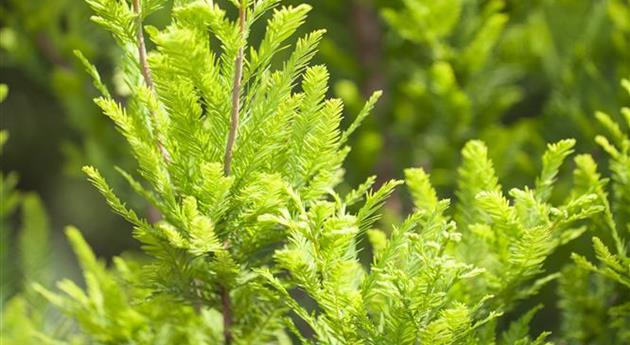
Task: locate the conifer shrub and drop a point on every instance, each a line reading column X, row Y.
column 240, row 150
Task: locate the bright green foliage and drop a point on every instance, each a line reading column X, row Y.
column 4, row 91
column 510, row 239
column 106, row 313
column 402, row 299
column 239, row 149
column 476, row 174
column 206, row 249
column 429, row 283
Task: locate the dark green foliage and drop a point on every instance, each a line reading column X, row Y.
column 595, row 303
column 514, row 74
column 23, row 311
column 38, row 43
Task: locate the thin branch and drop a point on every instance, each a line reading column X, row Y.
column 142, row 49
column 236, row 109
column 227, row 315
column 146, row 71
column 236, row 97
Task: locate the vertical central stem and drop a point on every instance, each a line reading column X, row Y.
column 146, row 71
column 227, row 314
column 229, row 151
column 236, row 96
column 142, row 49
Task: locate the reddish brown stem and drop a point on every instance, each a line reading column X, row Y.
column 142, row 49
column 146, row 71
column 236, row 109
column 227, row 314
column 236, row 98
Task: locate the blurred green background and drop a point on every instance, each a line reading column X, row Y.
column 515, row 74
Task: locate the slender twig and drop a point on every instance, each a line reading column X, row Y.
column 142, row 49
column 227, row 314
column 154, row 215
column 236, row 97
column 146, row 72
column 236, row 109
